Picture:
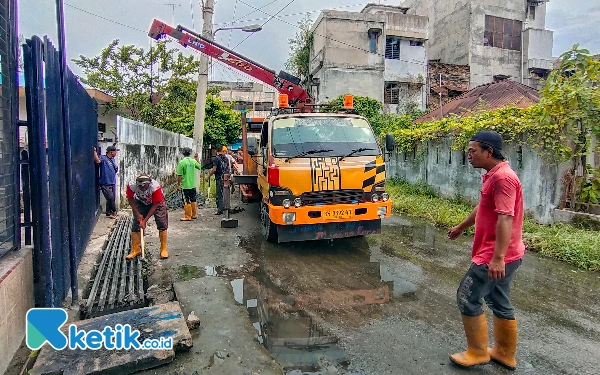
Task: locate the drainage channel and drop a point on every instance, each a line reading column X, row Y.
column 292, row 337
column 117, row 284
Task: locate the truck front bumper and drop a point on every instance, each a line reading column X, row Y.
column 321, row 214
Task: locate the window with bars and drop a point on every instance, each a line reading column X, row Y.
column 392, row 48
column 391, row 93
column 502, row 33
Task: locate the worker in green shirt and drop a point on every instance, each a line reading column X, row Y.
column 186, row 181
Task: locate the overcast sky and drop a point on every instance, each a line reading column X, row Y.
column 89, row 27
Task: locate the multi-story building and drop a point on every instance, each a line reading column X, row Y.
column 378, row 52
column 256, row 99
column 497, row 39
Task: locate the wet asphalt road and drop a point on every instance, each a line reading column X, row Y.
column 386, row 305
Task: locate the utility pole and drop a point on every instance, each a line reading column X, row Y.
column 207, row 15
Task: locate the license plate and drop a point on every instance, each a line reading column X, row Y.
column 337, row 214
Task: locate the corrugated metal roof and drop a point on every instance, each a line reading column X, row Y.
column 490, row 96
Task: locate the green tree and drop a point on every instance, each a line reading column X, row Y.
column 300, row 45
column 371, row 109
column 132, row 75
column 222, row 123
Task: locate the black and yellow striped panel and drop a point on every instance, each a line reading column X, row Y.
column 374, row 173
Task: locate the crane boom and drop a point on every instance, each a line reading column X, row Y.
column 284, row 83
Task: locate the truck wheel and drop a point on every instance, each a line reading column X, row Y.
column 269, row 230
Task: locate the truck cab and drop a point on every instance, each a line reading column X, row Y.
column 320, row 176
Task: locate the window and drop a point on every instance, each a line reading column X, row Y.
column 416, row 43
column 392, row 48
column 502, row 33
column 532, row 12
column 101, row 127
column 391, row 94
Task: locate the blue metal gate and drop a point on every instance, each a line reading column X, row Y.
column 64, row 193
column 9, row 145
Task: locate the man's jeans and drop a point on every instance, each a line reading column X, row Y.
column 220, row 195
column 476, row 284
column 109, row 194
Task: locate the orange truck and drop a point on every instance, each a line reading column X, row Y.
column 318, row 176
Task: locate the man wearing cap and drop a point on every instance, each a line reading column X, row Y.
column 497, row 251
column 220, row 169
column 146, row 199
column 186, row 181
column 108, row 178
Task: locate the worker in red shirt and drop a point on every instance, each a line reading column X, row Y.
column 497, row 251
column 146, row 199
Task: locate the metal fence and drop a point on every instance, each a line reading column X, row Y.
column 63, row 178
column 9, row 145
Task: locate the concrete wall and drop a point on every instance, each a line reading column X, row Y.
column 16, row 298
column 450, row 174
column 487, row 61
column 456, row 31
column 144, row 148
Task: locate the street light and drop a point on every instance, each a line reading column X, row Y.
column 248, row 29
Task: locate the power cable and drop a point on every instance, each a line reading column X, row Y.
column 231, row 31
column 256, row 10
column 326, row 37
column 104, row 18
column 291, row 14
column 246, row 15
column 266, row 22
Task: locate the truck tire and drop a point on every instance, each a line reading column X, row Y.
column 268, row 229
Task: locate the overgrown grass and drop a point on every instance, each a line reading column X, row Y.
column 580, row 247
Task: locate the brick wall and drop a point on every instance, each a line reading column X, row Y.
column 16, row 297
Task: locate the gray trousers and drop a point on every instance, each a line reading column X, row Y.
column 477, row 285
column 219, row 192
column 109, row 194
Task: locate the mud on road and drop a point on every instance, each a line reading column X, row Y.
column 385, row 304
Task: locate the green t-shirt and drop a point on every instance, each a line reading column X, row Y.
column 185, row 168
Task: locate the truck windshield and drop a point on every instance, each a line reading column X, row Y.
column 337, row 136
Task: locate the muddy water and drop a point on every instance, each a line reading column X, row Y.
column 324, row 308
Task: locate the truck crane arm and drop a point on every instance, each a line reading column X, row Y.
column 284, row 83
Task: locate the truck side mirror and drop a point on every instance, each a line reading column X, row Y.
column 252, row 149
column 389, row 142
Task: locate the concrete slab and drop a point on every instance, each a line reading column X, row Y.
column 154, row 322
column 226, row 343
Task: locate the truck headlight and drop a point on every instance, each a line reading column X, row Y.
column 297, row 202
column 289, row 217
column 287, row 203
column 382, row 211
column 385, row 197
column 375, row 198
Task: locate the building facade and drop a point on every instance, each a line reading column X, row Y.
column 379, row 52
column 256, row 99
column 497, row 39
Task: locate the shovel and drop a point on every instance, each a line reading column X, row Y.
column 142, row 244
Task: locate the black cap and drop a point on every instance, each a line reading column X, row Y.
column 491, row 139
column 111, row 148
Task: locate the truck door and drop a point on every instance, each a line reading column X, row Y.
column 263, row 159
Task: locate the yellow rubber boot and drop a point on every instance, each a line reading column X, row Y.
column 136, row 245
column 187, row 209
column 162, row 234
column 194, row 210
column 477, row 342
column 505, row 343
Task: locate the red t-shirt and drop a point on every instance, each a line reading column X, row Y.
column 501, row 194
column 154, row 193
